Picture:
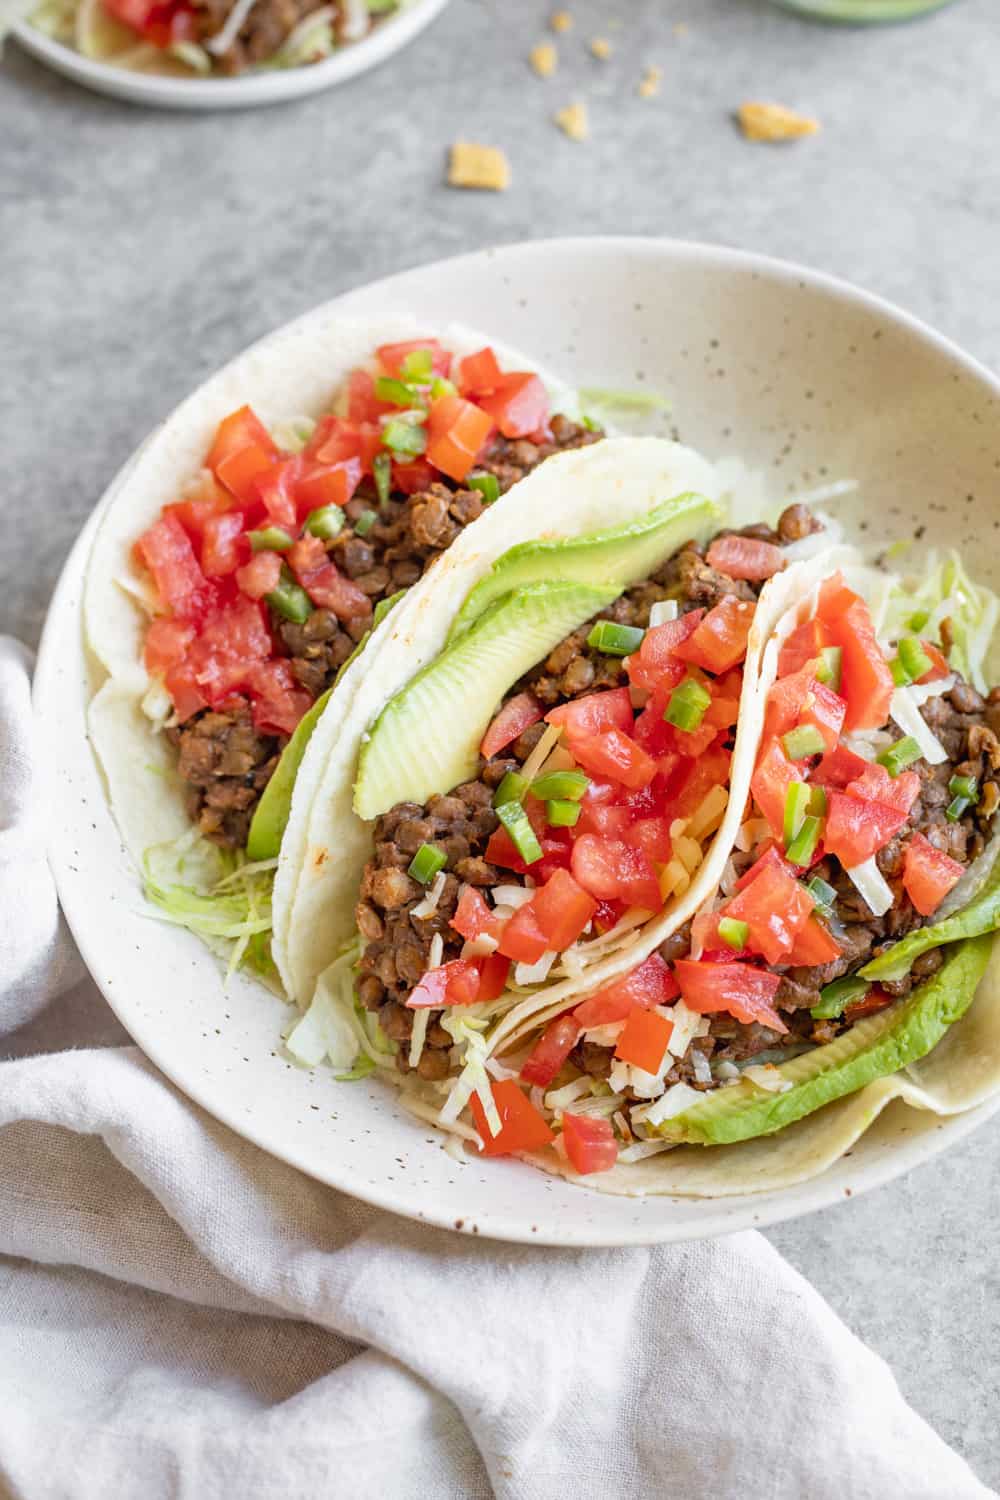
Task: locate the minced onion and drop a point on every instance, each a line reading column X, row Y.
column 663, row 612
column 436, row 951
column 535, row 973
column 511, row 895
column 429, row 905
column 607, row 1035
column 871, row 886
column 905, row 713
column 639, row 1149
column 921, row 692
column 687, row 1025
column 701, row 1066
column 569, row 1093
column 678, row 1097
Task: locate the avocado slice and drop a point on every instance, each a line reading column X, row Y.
column 627, row 552
column 873, row 1048
column 427, row 738
column 270, row 819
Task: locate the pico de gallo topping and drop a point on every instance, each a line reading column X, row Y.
column 267, row 569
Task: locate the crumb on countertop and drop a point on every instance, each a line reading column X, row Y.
column 649, row 83
column 474, row 166
column 773, row 122
column 544, row 59
column 601, row 48
column 573, row 121
column 561, row 20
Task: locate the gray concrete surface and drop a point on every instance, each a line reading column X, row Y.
column 138, row 251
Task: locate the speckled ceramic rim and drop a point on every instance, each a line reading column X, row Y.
column 247, row 92
column 555, row 1212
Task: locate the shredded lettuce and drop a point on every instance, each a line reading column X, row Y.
column 312, row 39
column 216, row 893
column 920, row 605
column 337, row 1028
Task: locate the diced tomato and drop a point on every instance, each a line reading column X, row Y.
column 454, row 983
column 695, row 780
column 608, row 915
column 928, row 874
column 260, row 575
column 562, row 909
column 276, row 491
column 939, row 667
column 279, row 701
column 657, row 664
column 478, row 374
column 326, row 586
column 603, row 818
column 743, row 990
column 327, row 484
column 147, row 17
column 775, row 907
column 745, row 557
column 522, row 939
column 362, row 403
column 612, row 870
column 494, row 971
column 233, row 638
column 839, row 767
column 555, row 852
column 166, row 550
column 856, row 827
column 411, row 478
column 550, row 1051
column 456, row 431
column 220, row 554
column 720, row 641
column 771, row 857
column 649, row 983
column 167, row 641
column 875, row 1000
column 652, row 836
column 522, row 1127
column 643, row 1042
column 336, row 441
column 516, row 715
column 590, row 1143
column 800, row 699
column 876, row 785
column 391, row 356
column 814, row 944
column 242, row 452
column 803, row 646
column 473, row 918
column 771, row 779
column 865, row 680
column 209, row 499
column 616, row 755
column 185, row 694
column 594, row 713
column 518, row 404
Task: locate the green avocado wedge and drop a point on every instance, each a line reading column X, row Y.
column 627, row 552
column 981, row 914
column 427, row 738
column 873, row 1048
column 270, row 818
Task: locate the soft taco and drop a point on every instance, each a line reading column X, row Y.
column 255, row 545
column 711, row 886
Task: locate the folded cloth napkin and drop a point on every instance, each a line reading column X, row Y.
column 181, row 1316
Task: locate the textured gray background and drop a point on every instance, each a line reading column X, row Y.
column 138, row 251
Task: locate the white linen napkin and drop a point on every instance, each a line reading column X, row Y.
column 182, row 1316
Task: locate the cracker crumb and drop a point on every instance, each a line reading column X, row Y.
column 473, row 166
column 573, row 121
column 543, row 59
column 561, row 20
column 649, row 84
column 773, row 122
column 601, row 48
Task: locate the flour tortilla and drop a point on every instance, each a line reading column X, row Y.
column 295, row 372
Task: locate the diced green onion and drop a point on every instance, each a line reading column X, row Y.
column 803, row 846
column 561, row 813
column 817, row 801
column 802, row 741
column 289, row 600
column 271, row 539
column 441, row 387
column 900, row 675
column 382, row 469
column 828, row 667
column 566, row 786
column 511, row 789
column 913, row 657
column 404, row 437
column 590, row 424
column 327, row 522
column 418, row 366
column 365, row 522
column 426, row 863
column 796, row 809
column 919, row 620
column 836, row 997
column 897, row 757
column 687, row 705
column 733, row 933
column 615, row 640
column 488, row 486
column 514, row 818
column 956, row 807
column 398, row 394
column 822, row 893
column 964, row 786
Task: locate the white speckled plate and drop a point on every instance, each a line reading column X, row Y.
column 244, row 92
column 801, row 376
